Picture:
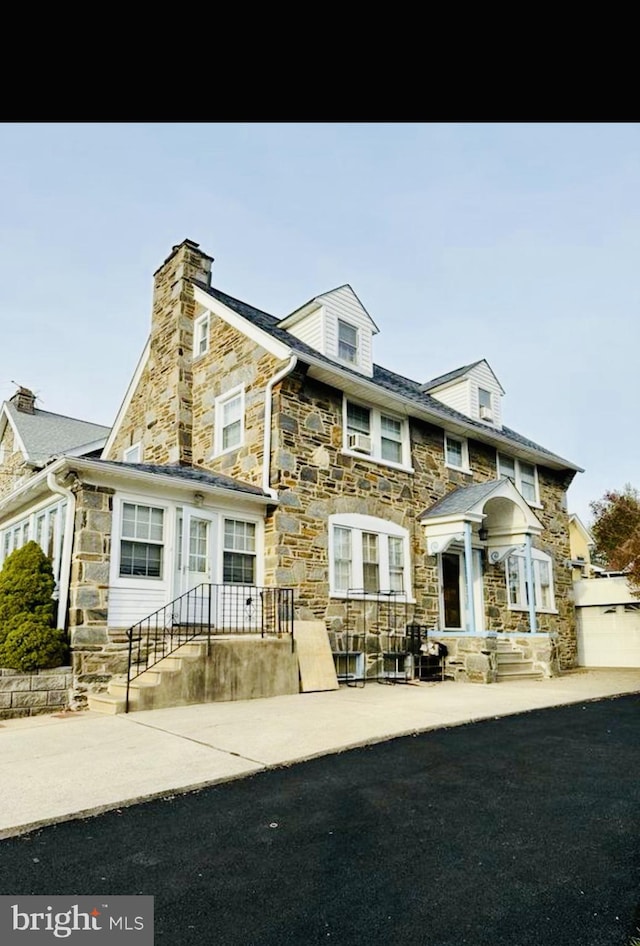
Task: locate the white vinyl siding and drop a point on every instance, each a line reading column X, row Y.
column 310, row 330
column 342, row 304
column 457, row 396
column 462, row 394
column 127, row 606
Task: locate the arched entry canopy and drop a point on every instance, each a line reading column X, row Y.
column 493, row 515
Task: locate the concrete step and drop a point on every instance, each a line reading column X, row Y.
column 106, row 703
column 520, row 674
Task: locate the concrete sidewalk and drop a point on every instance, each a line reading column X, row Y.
column 62, row 766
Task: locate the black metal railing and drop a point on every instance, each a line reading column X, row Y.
column 203, row 612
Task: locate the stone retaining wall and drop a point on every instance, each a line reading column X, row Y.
column 34, row 693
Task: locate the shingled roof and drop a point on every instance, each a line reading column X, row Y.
column 44, row 434
column 390, row 382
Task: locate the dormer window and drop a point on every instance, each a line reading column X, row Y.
column 347, row 342
column 484, row 405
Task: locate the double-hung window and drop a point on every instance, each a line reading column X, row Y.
column 456, row 453
column 229, row 423
column 518, row 588
column 201, row 335
column 378, row 435
column 368, row 554
column 347, row 342
column 239, row 552
column 523, row 475
column 142, row 541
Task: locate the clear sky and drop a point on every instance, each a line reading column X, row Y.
column 518, row 243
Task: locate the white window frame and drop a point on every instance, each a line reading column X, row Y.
column 246, row 550
column 17, row 533
column 132, row 454
column 221, row 403
column 376, row 435
column 143, row 540
column 201, row 334
column 358, row 525
column 356, row 347
column 500, row 457
column 463, row 467
column 538, row 560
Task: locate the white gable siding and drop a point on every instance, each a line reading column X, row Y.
column 310, row 329
column 481, row 376
column 456, row 396
column 343, row 304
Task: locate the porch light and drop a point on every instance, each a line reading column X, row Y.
column 483, row 534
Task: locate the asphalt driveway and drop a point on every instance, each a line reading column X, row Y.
column 519, row 830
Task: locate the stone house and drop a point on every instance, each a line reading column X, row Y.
column 276, row 452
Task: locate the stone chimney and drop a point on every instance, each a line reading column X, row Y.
column 24, row 400
column 171, row 350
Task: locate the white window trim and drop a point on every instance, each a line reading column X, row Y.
column 220, row 403
column 376, row 437
column 357, row 524
column 18, row 524
column 536, row 504
column 358, row 358
column 464, row 468
column 118, row 519
column 537, row 556
column 201, row 326
column 132, row 454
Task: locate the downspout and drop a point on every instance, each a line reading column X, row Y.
column 268, row 410
column 528, row 559
column 468, row 561
column 67, row 545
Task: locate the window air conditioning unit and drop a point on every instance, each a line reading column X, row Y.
column 360, row 442
column 485, row 413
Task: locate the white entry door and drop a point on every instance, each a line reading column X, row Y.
column 195, row 565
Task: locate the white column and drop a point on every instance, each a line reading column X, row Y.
column 533, row 624
column 468, row 567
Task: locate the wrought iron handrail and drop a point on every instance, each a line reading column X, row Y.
column 205, row 611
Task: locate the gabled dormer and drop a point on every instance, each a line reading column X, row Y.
column 473, row 390
column 337, row 325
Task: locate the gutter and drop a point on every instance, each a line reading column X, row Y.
column 268, row 411
column 67, row 546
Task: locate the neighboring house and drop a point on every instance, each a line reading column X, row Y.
column 276, row 452
column 581, row 544
column 607, row 610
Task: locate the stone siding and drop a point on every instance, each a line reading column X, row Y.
column 97, row 652
column 13, row 468
column 34, row 693
column 159, row 415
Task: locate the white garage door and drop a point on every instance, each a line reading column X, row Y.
column 609, row 635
